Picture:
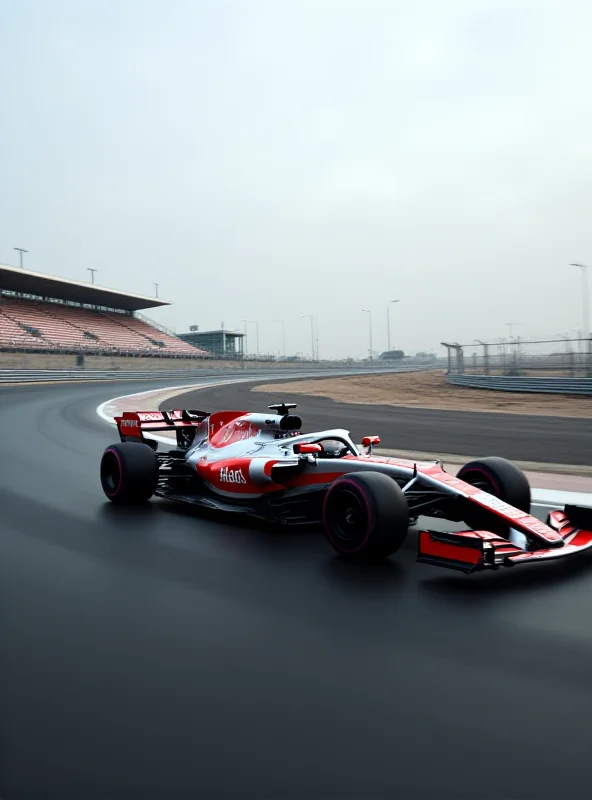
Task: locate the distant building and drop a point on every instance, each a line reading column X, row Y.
column 392, row 355
column 220, row 343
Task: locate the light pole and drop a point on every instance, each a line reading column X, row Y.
column 21, row 250
column 585, row 300
column 246, row 349
column 388, row 322
column 156, row 289
column 92, row 274
column 510, row 325
column 283, row 324
column 367, row 310
column 316, row 322
column 312, row 338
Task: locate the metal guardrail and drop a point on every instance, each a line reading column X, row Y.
column 8, row 376
column 504, row 383
column 39, row 376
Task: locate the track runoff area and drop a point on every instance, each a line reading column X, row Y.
column 549, row 490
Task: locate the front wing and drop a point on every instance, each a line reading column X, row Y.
column 469, row 551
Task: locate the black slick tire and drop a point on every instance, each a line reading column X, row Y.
column 129, row 473
column 500, row 478
column 365, row 516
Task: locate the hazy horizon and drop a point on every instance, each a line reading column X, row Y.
column 264, row 160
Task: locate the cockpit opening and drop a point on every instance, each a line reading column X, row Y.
column 333, row 447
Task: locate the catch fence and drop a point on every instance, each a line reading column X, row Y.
column 553, row 357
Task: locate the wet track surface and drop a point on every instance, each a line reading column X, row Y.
column 160, row 653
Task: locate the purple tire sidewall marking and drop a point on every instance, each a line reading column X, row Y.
column 490, row 479
column 115, row 455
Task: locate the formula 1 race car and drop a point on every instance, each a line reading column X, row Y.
column 262, row 465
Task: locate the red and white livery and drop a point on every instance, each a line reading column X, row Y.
column 263, row 465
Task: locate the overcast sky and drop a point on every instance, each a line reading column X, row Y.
column 271, row 158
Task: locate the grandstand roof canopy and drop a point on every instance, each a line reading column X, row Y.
column 209, row 333
column 22, row 281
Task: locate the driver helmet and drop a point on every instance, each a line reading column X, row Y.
column 332, row 448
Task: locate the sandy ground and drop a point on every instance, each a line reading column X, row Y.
column 429, row 390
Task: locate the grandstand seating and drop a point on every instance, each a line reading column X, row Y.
column 32, row 324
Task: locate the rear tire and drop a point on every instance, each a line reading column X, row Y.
column 129, row 473
column 365, row 516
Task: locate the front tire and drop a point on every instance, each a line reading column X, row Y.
column 365, row 516
column 500, row 478
column 129, row 473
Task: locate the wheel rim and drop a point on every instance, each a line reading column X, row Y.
column 348, row 518
column 110, row 475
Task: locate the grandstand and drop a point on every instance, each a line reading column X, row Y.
column 45, row 314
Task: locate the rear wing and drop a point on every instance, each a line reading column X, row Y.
column 132, row 425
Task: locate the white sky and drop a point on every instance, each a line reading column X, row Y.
column 267, row 158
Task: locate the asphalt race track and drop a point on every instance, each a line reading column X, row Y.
column 160, row 653
column 558, row 440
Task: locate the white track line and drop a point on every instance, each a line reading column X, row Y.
column 553, row 498
column 543, row 498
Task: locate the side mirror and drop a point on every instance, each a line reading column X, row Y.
column 307, row 448
column 368, row 441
